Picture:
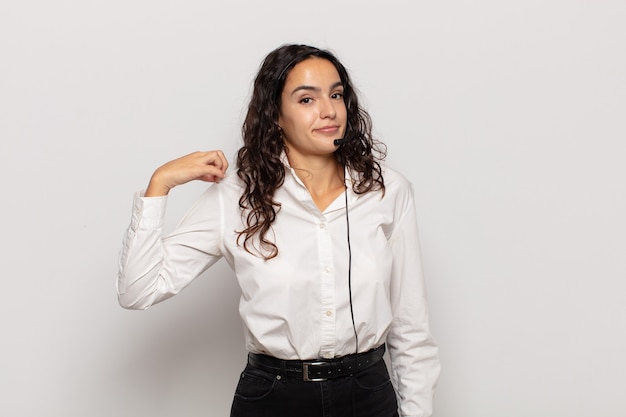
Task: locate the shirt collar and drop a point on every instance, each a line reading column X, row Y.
column 285, row 161
column 352, row 196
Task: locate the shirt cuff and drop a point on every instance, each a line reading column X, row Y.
column 148, row 212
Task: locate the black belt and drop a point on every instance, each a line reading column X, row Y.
column 318, row 369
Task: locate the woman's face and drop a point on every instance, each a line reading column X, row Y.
column 312, row 112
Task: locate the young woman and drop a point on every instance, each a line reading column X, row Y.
column 323, row 240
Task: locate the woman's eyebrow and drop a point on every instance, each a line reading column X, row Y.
column 313, row 88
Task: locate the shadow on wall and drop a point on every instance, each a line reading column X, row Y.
column 184, row 355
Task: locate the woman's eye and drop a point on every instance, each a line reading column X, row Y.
column 337, row 95
column 305, row 100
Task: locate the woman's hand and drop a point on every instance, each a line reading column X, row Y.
column 204, row 166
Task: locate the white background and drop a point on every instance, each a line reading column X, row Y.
column 507, row 117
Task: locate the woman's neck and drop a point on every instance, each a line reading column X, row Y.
column 322, row 177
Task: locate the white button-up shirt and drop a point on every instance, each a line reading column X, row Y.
column 297, row 305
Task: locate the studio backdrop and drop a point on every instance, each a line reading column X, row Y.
column 507, row 118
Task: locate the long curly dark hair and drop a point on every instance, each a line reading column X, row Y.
column 258, row 160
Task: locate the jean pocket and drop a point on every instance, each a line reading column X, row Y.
column 254, row 384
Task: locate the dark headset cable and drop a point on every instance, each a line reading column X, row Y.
column 356, row 335
column 339, row 142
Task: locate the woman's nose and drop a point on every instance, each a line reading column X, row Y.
column 328, row 109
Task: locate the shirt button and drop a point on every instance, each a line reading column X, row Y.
column 329, row 313
column 328, row 269
column 327, row 355
column 322, row 226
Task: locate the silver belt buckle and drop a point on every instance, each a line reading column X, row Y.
column 305, row 371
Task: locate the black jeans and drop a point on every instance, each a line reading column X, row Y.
column 367, row 393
